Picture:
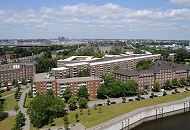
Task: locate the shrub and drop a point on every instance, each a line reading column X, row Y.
column 113, row 102
column 3, row 115
column 187, row 89
column 77, row 117
column 81, row 112
column 123, row 99
column 99, row 110
column 164, row 93
column 130, row 100
column 99, row 104
column 95, row 107
column 138, row 99
column 152, row 95
column 89, row 111
column 176, row 91
column 108, row 102
column 173, row 92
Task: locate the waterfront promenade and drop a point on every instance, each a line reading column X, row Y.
column 141, row 115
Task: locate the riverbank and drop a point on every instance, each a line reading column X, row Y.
column 138, row 116
column 115, row 111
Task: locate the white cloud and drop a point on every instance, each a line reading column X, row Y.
column 91, row 14
column 91, row 17
column 180, row 1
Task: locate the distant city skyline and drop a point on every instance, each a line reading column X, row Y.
column 95, row 19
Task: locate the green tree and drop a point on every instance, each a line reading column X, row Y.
column 102, row 92
column 15, row 83
column 30, row 94
column 123, row 99
column 72, row 103
column 175, row 83
column 17, row 92
column 67, row 94
column 182, row 82
column 81, row 113
column 188, row 80
column 167, row 85
column 156, row 87
column 182, row 54
column 99, row 110
column 115, row 89
column 83, row 102
column 66, row 122
column 5, row 84
column 89, row 111
column 24, row 82
column 131, row 87
column 51, row 120
column 77, row 117
column 83, row 92
column 20, row 119
column 16, row 108
column 57, row 107
column 43, row 107
column 84, row 73
column 3, row 114
column 44, row 64
column 108, row 101
column 144, row 64
column 164, row 54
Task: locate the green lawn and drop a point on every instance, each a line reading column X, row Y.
column 8, row 92
column 10, row 103
column 8, row 123
column 110, row 112
column 27, row 101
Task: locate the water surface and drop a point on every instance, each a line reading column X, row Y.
column 176, row 122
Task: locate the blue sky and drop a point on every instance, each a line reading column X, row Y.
column 147, row 19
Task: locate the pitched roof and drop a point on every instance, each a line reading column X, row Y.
column 158, row 67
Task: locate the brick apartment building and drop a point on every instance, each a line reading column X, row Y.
column 16, row 71
column 99, row 66
column 44, row 82
column 160, row 72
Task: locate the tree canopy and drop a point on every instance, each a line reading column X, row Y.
column 156, row 87
column 83, row 92
column 84, row 73
column 114, row 88
column 67, row 94
column 43, row 107
column 144, row 64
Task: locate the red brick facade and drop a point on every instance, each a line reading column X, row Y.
column 160, row 72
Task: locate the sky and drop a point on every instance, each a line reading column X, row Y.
column 101, row 19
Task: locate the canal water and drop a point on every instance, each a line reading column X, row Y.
column 176, row 122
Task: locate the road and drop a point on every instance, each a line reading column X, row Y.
column 119, row 100
column 23, row 110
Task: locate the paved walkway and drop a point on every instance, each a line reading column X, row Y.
column 23, row 110
column 11, row 112
column 7, row 95
column 77, row 126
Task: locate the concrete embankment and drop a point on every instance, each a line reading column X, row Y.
column 135, row 118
